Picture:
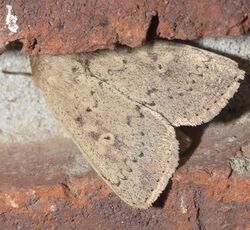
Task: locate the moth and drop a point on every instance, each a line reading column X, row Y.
column 121, row 107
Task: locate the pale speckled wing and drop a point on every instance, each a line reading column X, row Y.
column 120, row 106
column 133, row 148
column 187, row 85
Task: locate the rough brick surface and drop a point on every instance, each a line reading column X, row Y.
column 47, row 185
column 74, row 26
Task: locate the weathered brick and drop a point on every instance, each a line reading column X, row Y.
column 76, row 26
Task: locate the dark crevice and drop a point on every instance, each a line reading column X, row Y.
column 118, row 45
column 195, row 134
column 159, row 203
column 14, row 45
column 32, row 43
column 16, row 73
column 196, row 199
column 239, row 24
column 152, row 30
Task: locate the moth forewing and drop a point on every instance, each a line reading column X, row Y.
column 133, row 148
column 187, row 85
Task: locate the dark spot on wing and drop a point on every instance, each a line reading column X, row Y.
column 74, row 69
column 150, row 91
column 141, row 154
column 125, row 61
column 153, row 56
column 107, row 138
column 100, row 83
column 134, row 160
column 129, row 120
column 138, row 109
column 110, row 72
column 94, row 135
column 118, row 144
column 127, row 166
column 111, row 182
column 96, row 104
column 79, row 120
column 152, row 103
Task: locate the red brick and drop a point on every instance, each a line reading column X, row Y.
column 64, row 26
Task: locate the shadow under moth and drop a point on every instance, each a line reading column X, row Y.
column 121, row 107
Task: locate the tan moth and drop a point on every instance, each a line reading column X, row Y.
column 121, row 107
